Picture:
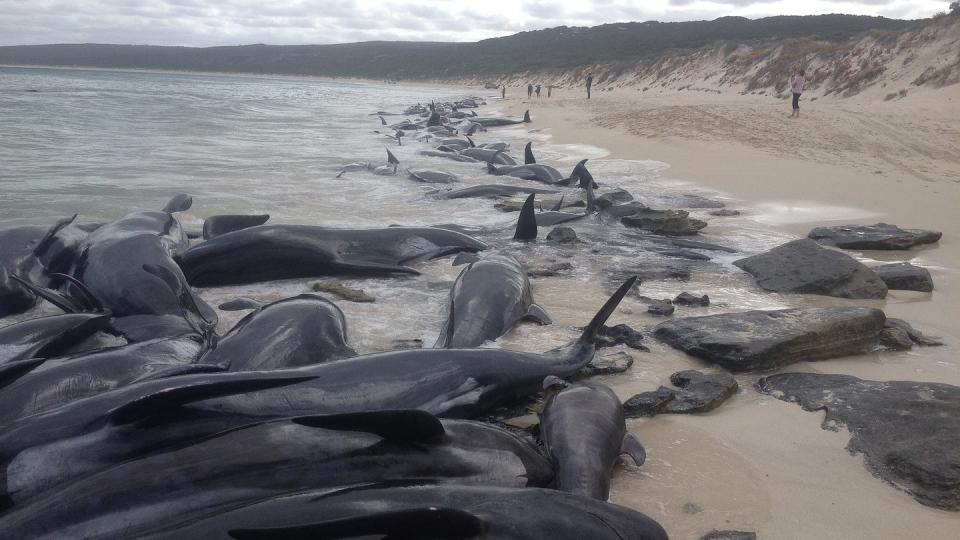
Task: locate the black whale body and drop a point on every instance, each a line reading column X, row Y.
column 272, row 252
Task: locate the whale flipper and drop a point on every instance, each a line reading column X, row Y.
column 632, row 447
column 537, row 314
column 240, row 304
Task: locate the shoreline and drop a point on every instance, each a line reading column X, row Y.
column 757, row 463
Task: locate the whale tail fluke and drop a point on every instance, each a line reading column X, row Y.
column 527, row 222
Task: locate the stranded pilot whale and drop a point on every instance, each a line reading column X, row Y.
column 487, row 299
column 245, row 465
column 293, row 332
column 583, row 430
column 425, row 510
column 112, row 427
column 272, row 252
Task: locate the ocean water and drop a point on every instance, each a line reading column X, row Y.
column 102, row 143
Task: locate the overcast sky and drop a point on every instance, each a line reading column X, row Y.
column 235, row 22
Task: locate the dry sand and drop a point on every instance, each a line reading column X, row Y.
column 756, row 463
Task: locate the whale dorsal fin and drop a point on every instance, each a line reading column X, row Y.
column 399, row 425
column 428, row 522
column 528, row 158
column 527, row 222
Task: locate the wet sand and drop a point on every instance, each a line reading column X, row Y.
column 756, row 463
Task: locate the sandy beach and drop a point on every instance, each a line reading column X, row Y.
column 756, row 463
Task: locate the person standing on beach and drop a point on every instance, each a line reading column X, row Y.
column 503, row 94
column 549, row 90
column 538, row 91
column 589, row 83
column 529, row 91
column 797, row 85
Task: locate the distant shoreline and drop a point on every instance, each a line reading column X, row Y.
column 247, row 75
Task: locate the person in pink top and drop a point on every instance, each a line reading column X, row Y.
column 797, row 84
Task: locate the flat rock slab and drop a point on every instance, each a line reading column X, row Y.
column 607, row 363
column 621, row 334
column 667, row 222
column 804, row 267
column 908, row 432
column 878, row 236
column 905, row 277
column 696, row 392
column 763, row 340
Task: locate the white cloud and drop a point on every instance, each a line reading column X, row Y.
column 233, row 22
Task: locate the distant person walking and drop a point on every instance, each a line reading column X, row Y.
column 589, row 84
column 529, row 91
column 549, row 90
column 503, row 94
column 797, row 85
column 538, row 91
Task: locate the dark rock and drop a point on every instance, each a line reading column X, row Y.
column 667, row 222
column 465, row 258
column 615, row 196
column 803, row 266
column 341, row 291
column 759, row 340
column 563, row 235
column 700, row 392
column 908, row 432
column 726, row 212
column 915, row 335
column 607, row 364
column 648, row 403
column 687, row 299
column 729, row 535
column 895, row 338
column 905, row 277
column 661, row 307
column 621, row 334
column 878, row 236
column 553, row 269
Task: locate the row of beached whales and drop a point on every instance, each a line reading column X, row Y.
column 127, row 416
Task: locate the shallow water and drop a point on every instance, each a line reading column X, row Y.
column 102, row 143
